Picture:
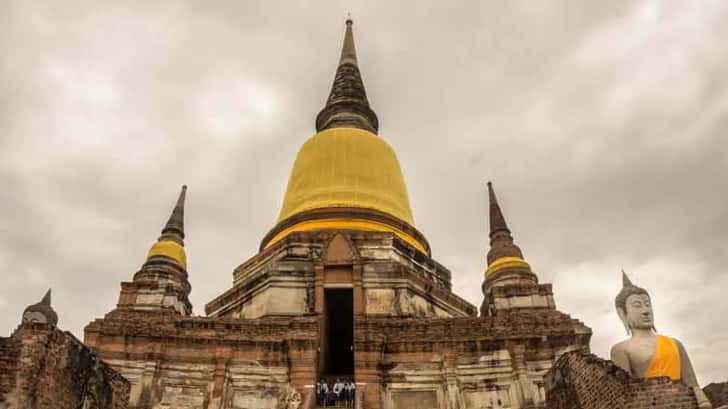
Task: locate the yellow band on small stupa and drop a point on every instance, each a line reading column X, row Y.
column 169, row 249
column 506, row 262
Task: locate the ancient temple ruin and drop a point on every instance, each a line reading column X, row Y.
column 343, row 285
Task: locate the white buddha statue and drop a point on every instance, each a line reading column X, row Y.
column 647, row 354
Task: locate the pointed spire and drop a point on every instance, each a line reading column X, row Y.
column 506, row 266
column 501, row 241
column 347, row 106
column 497, row 221
column 174, row 230
column 171, row 243
column 348, row 51
column 163, row 276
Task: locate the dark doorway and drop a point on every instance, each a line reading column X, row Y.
column 339, row 343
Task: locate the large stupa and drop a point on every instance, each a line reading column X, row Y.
column 343, row 286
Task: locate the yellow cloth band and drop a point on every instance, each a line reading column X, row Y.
column 169, row 249
column 505, row 262
column 351, row 224
column 666, row 360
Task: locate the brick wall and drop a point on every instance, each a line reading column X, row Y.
column 472, row 334
column 9, row 353
column 584, row 381
column 465, row 361
column 49, row 368
column 718, row 394
column 205, row 361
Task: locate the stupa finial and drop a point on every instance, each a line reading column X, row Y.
column 347, row 105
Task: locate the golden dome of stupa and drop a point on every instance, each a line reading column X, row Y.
column 346, row 176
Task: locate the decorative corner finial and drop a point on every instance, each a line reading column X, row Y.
column 501, row 243
column 171, row 243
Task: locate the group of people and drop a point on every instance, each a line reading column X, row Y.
column 339, row 394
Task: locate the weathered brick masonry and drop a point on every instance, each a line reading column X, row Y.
column 196, row 362
column 466, row 362
column 9, row 362
column 584, row 381
column 45, row 368
column 718, row 394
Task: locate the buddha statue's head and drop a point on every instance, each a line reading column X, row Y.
column 634, row 306
column 41, row 313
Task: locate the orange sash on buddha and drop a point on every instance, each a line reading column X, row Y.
column 666, row 361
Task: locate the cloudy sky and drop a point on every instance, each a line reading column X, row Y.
column 603, row 127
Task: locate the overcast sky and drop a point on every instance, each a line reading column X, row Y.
column 602, row 125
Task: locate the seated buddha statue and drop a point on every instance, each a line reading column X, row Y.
column 647, row 354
